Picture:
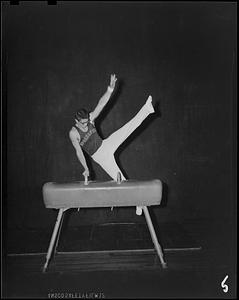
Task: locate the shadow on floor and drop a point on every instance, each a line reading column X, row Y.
column 107, row 236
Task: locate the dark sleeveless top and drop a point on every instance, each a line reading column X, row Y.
column 90, row 140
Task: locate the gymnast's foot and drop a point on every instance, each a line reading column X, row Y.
column 150, row 105
column 138, row 210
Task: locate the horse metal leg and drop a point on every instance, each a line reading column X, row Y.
column 58, row 235
column 154, row 237
column 53, row 238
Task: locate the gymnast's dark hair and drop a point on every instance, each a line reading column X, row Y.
column 81, row 114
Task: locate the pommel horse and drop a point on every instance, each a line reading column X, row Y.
column 86, row 194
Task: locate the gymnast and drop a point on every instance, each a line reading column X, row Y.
column 85, row 136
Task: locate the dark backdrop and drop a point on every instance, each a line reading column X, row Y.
column 59, row 58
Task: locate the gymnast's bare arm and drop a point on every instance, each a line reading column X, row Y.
column 75, row 139
column 104, row 99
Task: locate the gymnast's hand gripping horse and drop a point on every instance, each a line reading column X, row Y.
column 85, row 136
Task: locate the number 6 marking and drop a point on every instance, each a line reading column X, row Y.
column 224, row 286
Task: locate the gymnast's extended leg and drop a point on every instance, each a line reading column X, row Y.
column 120, row 135
column 105, row 155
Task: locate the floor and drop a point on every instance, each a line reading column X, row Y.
column 119, row 261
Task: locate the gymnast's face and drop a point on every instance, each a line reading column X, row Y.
column 82, row 123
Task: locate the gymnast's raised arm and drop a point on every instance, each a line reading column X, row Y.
column 75, row 141
column 104, row 99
